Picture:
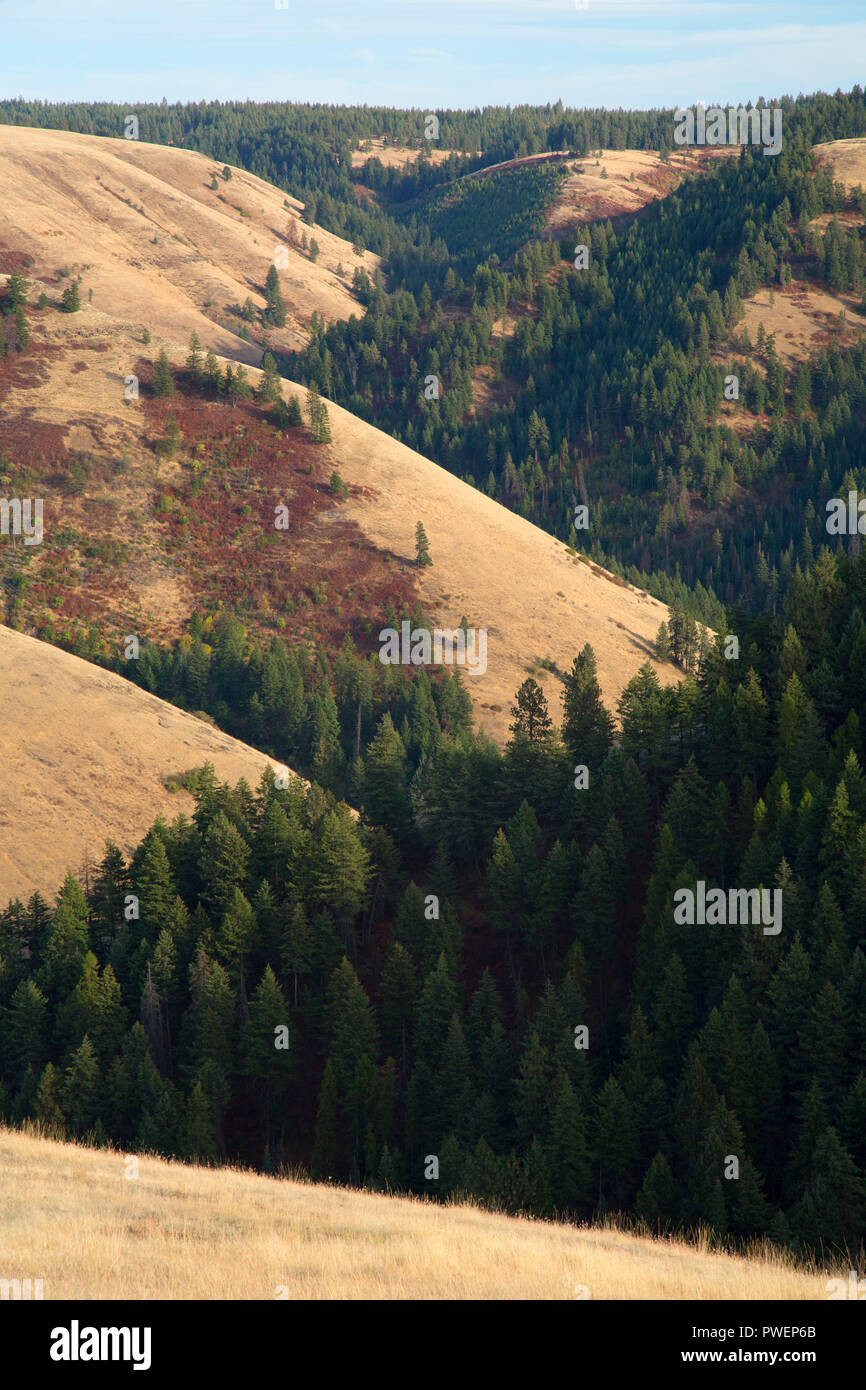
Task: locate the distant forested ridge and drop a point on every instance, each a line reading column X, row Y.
column 612, row 379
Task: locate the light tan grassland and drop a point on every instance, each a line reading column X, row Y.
column 611, row 183
column 84, row 757
column 847, row 158
column 803, row 317
column 159, row 248
column 399, row 156
column 72, row 1217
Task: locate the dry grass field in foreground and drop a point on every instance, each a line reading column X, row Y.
column 71, row 1216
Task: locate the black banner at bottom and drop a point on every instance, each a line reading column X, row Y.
column 224, row 1340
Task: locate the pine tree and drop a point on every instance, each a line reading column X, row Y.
column 397, row 995
column 107, row 897
column 422, row 547
column 296, row 949
column 22, row 329
column 320, row 427
column 154, row 883
column 194, row 359
column 455, row 1085
column 570, row 1165
column 223, row 864
column 275, row 313
column 48, row 1108
column 830, row 1212
column 530, row 714
column 236, row 935
column 587, row 727
column 672, row 1013
column 484, row 1174
column 325, row 1158
column 658, row 1200
column 68, row 942
column 211, row 371
column 16, row 292
column 436, row 1006
column 269, row 382
column 353, row 1029
column 163, row 381
column 27, row 1042
column 199, row 1141
column 615, row 1144
column 386, row 795
column 271, row 1067
column 71, row 298
column 81, row 1089
column 238, row 387
column 533, row 1092
column 342, row 872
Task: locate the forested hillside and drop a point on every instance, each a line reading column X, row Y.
column 487, row 968
column 614, row 381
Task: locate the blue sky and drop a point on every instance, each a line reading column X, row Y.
column 430, row 53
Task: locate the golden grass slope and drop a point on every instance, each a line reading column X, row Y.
column 162, row 250
column 847, row 158
column 512, row 579
column 73, row 1217
column 399, row 156
column 535, row 601
column 84, row 754
column 804, row 318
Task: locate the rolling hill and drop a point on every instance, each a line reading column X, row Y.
column 158, row 246
column 87, row 756
column 70, row 433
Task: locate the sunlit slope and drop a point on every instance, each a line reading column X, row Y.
column 82, row 1221
column 535, row 600
column 158, row 246
column 84, row 755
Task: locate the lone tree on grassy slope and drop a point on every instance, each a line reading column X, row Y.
column 320, row 425
column 71, row 299
column 16, row 292
column 163, row 381
column 275, row 313
column 269, row 382
column 422, row 547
